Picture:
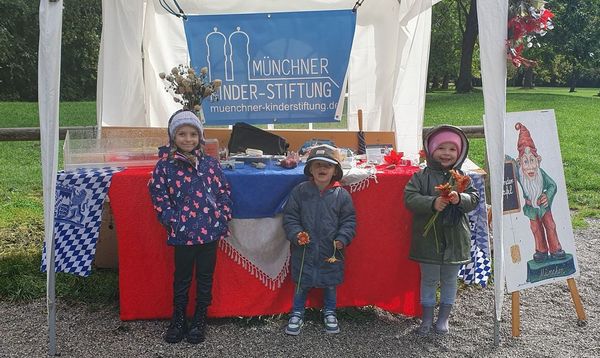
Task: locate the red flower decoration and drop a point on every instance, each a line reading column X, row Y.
column 394, row 157
column 528, row 19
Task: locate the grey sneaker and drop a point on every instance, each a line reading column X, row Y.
column 294, row 324
column 331, row 323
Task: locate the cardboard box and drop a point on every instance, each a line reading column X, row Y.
column 106, row 247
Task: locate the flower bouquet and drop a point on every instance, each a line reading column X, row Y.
column 458, row 183
column 190, row 88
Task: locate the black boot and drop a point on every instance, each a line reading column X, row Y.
column 177, row 328
column 197, row 331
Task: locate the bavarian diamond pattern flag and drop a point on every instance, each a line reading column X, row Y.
column 479, row 269
column 80, row 196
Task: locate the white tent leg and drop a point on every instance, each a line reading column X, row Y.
column 48, row 98
column 493, row 17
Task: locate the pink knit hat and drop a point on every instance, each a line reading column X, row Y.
column 443, row 136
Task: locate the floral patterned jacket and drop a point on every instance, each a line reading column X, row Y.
column 191, row 201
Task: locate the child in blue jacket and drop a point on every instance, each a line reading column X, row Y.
column 192, row 200
column 320, row 221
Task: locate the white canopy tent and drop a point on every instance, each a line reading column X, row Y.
column 387, row 78
column 387, row 72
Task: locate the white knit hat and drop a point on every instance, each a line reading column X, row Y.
column 183, row 118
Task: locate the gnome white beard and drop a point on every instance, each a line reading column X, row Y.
column 532, row 187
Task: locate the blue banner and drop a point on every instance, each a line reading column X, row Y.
column 275, row 68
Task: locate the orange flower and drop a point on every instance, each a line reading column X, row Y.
column 461, row 181
column 303, row 238
column 444, row 189
column 333, row 259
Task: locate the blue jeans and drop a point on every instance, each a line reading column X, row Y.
column 446, row 275
column 329, row 299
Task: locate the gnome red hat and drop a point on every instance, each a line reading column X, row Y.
column 525, row 140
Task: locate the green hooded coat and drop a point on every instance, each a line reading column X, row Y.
column 449, row 241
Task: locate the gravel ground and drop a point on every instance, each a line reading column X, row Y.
column 548, row 323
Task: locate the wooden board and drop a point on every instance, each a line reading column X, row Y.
column 296, row 137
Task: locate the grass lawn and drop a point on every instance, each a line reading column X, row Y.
column 21, row 207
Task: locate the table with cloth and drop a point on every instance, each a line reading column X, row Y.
column 378, row 271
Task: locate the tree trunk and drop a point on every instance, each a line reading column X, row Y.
column 446, row 81
column 463, row 83
column 573, row 81
column 435, row 83
column 528, row 78
column 517, row 79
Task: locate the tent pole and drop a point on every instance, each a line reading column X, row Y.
column 50, row 22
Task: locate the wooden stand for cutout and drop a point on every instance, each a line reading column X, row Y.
column 516, row 316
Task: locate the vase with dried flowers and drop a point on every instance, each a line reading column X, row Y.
column 190, row 88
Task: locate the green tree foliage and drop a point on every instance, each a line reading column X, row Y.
column 464, row 82
column 569, row 54
column 82, row 27
column 454, row 52
column 19, row 38
column 18, row 49
column 576, row 36
column 444, row 54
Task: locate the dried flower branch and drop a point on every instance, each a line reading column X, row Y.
column 190, row 88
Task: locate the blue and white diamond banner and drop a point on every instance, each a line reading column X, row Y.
column 478, row 216
column 479, row 269
column 278, row 67
column 80, row 197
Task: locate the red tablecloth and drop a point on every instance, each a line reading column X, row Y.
column 378, row 271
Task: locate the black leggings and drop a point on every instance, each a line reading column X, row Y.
column 204, row 257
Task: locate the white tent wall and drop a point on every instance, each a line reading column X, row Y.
column 409, row 94
column 387, row 72
column 120, row 91
column 165, row 47
column 373, row 63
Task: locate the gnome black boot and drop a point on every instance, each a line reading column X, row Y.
column 177, row 328
column 441, row 326
column 197, row 332
column 426, row 320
